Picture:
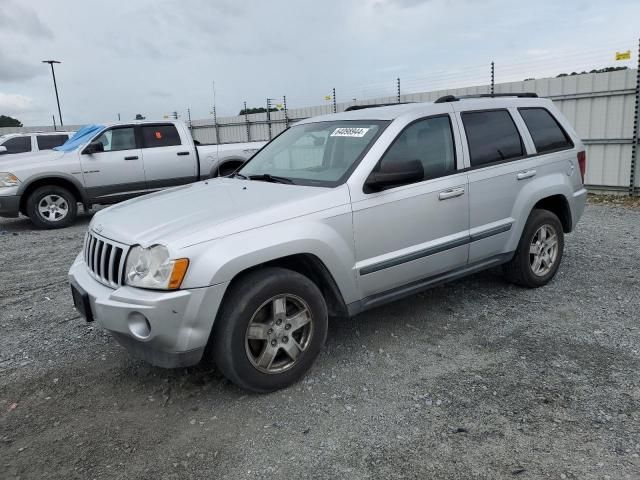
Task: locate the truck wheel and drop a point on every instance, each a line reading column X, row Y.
column 539, row 251
column 52, row 207
column 270, row 329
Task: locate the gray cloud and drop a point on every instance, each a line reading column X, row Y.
column 19, row 20
column 14, row 70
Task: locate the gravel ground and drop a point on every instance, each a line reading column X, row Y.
column 475, row 379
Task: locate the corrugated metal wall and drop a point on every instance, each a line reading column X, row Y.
column 599, row 105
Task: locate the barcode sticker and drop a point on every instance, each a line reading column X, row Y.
column 357, row 132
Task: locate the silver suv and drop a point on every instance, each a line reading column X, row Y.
column 337, row 215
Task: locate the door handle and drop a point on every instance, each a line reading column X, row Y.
column 526, row 174
column 133, row 157
column 451, row 193
column 180, row 154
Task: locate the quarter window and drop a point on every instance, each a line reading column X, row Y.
column 545, row 131
column 492, row 137
column 118, row 139
column 430, row 141
column 47, row 142
column 160, row 136
column 18, row 145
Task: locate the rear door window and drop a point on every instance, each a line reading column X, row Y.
column 545, row 131
column 18, row 144
column 492, row 137
column 47, row 142
column 160, row 136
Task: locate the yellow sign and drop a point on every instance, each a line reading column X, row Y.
column 279, row 105
column 623, row 55
column 327, row 97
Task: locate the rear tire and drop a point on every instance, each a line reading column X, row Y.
column 269, row 330
column 51, row 207
column 539, row 251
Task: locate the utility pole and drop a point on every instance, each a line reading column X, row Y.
column 55, row 87
column 286, row 114
column 636, row 134
column 492, row 77
column 54, row 123
column 398, row 89
column 246, row 122
column 269, row 116
column 335, row 107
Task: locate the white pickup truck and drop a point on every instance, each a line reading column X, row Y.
column 104, row 164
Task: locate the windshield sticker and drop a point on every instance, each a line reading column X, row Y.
column 357, row 132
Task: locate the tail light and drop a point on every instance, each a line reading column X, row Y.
column 582, row 163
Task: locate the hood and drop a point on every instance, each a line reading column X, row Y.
column 15, row 162
column 203, row 211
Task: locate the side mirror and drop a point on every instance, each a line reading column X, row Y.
column 3, row 149
column 394, row 174
column 94, row 147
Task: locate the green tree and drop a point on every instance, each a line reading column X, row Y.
column 249, row 111
column 9, row 121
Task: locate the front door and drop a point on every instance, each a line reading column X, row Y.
column 116, row 172
column 411, row 232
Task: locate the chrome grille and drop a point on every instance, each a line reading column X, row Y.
column 105, row 259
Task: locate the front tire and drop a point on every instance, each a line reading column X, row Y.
column 539, row 251
column 270, row 329
column 52, row 207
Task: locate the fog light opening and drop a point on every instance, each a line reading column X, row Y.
column 139, row 326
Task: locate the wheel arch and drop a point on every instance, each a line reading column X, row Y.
column 239, row 161
column 70, row 183
column 314, row 269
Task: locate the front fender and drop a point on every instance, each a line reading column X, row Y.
column 329, row 239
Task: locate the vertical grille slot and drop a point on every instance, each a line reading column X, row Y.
column 105, row 259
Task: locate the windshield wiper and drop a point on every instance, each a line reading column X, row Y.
column 244, row 177
column 266, row 177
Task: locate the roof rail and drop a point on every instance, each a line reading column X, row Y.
column 453, row 98
column 361, row 107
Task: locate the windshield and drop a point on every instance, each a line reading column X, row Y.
column 322, row 153
column 81, row 137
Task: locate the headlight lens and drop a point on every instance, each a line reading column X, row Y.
column 152, row 268
column 8, row 180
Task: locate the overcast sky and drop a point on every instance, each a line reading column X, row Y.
column 156, row 56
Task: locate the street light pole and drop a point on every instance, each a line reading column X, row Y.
column 55, row 86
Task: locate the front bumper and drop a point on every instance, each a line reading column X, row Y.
column 9, row 206
column 165, row 328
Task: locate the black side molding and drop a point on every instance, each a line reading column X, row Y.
column 180, row 154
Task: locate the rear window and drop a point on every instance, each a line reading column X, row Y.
column 18, row 145
column 492, row 137
column 160, row 135
column 545, row 131
column 47, row 142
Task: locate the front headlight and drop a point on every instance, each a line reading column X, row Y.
column 152, row 268
column 8, row 180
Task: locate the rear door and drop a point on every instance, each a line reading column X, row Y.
column 116, row 172
column 168, row 159
column 499, row 168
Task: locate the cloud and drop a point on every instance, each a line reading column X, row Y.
column 11, row 103
column 13, row 69
column 19, row 20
